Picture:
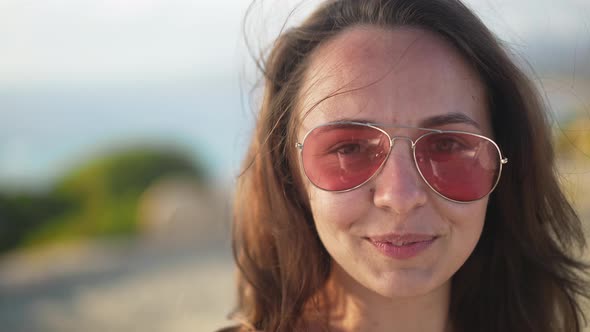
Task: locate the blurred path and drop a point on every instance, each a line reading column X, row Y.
column 117, row 286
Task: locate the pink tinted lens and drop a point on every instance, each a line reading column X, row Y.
column 343, row 156
column 459, row 166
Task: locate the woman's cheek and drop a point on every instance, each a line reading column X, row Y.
column 461, row 214
column 339, row 210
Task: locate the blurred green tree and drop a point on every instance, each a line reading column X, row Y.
column 97, row 199
column 21, row 214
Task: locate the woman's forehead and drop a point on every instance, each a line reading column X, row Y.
column 396, row 76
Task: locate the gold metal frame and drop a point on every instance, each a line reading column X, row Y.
column 392, row 140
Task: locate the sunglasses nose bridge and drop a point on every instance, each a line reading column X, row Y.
column 411, row 146
column 395, row 138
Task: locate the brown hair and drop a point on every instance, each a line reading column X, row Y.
column 522, row 276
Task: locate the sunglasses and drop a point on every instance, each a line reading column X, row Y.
column 460, row 166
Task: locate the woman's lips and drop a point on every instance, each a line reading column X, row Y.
column 402, row 246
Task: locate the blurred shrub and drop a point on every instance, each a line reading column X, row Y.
column 97, row 199
column 21, row 214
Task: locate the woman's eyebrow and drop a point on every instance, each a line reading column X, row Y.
column 449, row 118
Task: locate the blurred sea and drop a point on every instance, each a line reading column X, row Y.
column 47, row 128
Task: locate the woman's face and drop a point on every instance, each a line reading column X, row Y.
column 401, row 77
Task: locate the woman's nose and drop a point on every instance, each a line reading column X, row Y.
column 398, row 187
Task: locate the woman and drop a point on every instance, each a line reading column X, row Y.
column 401, row 178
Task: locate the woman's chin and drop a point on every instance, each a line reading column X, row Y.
column 407, row 284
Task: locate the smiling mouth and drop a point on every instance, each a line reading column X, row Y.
column 402, row 246
column 401, row 239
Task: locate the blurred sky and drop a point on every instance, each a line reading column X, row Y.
column 81, row 76
column 106, row 39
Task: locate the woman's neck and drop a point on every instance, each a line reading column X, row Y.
column 352, row 307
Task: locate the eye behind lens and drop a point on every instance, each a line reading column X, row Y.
column 340, row 157
column 465, row 169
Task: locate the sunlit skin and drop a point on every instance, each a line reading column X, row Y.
column 408, row 77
